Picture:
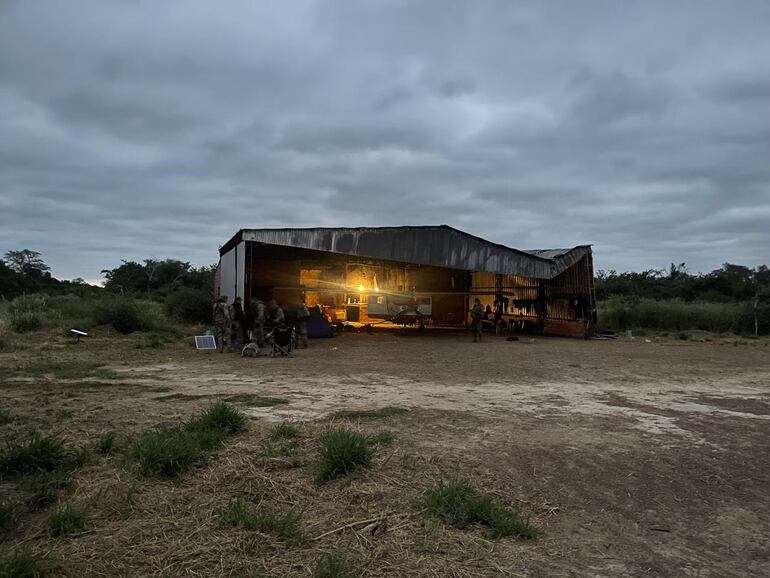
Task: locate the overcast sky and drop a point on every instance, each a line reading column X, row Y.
column 135, row 129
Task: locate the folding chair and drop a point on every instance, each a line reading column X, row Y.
column 282, row 341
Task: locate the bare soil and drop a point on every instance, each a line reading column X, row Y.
column 634, row 458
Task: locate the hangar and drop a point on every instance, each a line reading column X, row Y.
column 366, row 274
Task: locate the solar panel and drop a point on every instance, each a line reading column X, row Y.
column 205, row 342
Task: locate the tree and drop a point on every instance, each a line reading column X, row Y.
column 156, row 275
column 166, row 274
column 27, row 263
column 129, row 277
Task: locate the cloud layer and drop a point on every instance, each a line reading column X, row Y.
column 137, row 129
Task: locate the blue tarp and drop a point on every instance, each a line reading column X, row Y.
column 318, row 326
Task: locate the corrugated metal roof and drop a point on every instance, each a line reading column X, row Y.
column 438, row 246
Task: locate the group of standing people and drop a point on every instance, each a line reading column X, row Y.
column 236, row 326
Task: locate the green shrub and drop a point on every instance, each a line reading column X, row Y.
column 73, row 311
column 39, row 454
column 24, row 563
column 26, row 313
column 342, row 452
column 333, row 566
column 287, row 525
column 459, row 505
column 67, row 520
column 33, row 303
column 26, row 322
column 190, row 305
column 124, row 316
column 621, row 314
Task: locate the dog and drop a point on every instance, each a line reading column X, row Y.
column 250, row 350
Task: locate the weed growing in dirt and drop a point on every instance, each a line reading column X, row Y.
column 43, row 488
column 106, row 443
column 274, row 451
column 383, row 412
column 169, row 452
column 243, row 514
column 333, row 566
column 116, row 499
column 285, row 430
column 9, row 516
column 382, row 437
column 81, row 456
column 39, row 454
column 342, row 452
column 219, row 416
column 24, row 563
column 460, row 505
column 67, row 520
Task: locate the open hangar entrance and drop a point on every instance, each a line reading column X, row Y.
column 355, row 274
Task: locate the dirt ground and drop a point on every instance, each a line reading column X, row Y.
column 634, row 457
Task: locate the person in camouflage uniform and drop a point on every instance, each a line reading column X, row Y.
column 257, row 321
column 302, row 316
column 477, row 314
column 221, row 315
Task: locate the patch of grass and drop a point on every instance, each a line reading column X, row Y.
column 219, row 416
column 274, row 451
column 81, row 456
column 39, row 454
column 10, row 512
column 24, row 563
column 285, row 430
column 67, row 520
column 59, row 370
column 5, row 416
column 286, row 525
column 333, row 566
column 460, row 505
column 43, row 488
column 382, row 437
column 152, row 341
column 117, row 499
column 106, row 443
column 168, row 452
column 388, row 411
column 342, row 452
column 257, row 400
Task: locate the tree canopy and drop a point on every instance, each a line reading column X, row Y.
column 27, row 262
column 728, row 283
column 157, row 275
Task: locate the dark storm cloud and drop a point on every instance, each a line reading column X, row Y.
column 137, row 129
